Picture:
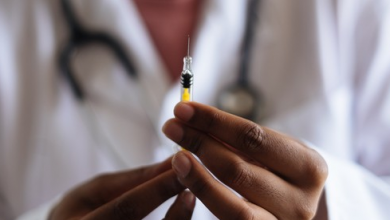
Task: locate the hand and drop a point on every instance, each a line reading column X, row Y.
column 277, row 176
column 127, row 195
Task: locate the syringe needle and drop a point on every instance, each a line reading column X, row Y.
column 188, row 46
column 187, row 76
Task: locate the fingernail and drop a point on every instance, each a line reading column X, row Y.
column 173, row 131
column 184, row 111
column 189, row 200
column 181, row 164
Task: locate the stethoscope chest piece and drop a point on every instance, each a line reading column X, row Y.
column 240, row 100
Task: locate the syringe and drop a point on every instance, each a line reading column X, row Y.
column 187, row 76
column 186, row 80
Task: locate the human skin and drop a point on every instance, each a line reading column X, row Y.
column 169, row 22
column 127, row 195
column 277, row 176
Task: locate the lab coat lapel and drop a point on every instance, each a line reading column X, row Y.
column 121, row 19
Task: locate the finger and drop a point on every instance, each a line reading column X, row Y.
column 255, row 183
column 221, row 201
column 115, row 184
column 284, row 155
column 182, row 208
column 104, row 188
column 141, row 200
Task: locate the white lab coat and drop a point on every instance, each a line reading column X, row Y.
column 323, row 68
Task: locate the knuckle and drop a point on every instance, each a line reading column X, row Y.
column 169, row 189
column 245, row 214
column 239, row 175
column 251, row 137
column 200, row 187
column 304, row 212
column 124, row 210
column 316, row 169
column 214, row 119
column 194, row 142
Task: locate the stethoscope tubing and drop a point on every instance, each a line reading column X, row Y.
column 248, row 42
column 80, row 37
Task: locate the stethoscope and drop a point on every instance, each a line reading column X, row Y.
column 240, row 98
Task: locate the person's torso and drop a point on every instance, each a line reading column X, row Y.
column 49, row 143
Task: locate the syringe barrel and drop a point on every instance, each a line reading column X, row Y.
column 186, row 80
column 186, row 94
